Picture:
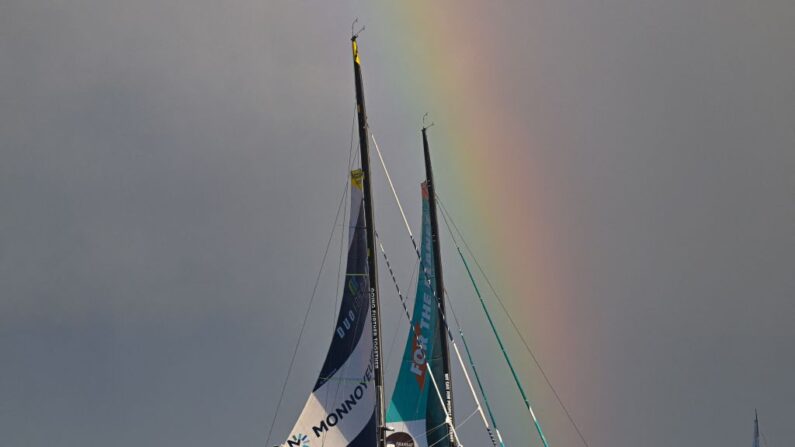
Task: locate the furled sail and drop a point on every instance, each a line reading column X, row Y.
column 341, row 411
column 415, row 413
column 756, row 429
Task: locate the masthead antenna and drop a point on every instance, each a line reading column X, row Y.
column 355, row 34
column 424, row 126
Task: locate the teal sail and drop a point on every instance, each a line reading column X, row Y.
column 415, row 413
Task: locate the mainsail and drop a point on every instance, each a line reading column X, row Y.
column 341, row 410
column 415, row 412
column 756, row 429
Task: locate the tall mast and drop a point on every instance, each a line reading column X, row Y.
column 372, row 266
column 437, row 268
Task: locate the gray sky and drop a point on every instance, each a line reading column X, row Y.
column 170, row 170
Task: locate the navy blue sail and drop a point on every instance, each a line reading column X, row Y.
column 341, row 410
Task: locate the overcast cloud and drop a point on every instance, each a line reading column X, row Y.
column 170, row 170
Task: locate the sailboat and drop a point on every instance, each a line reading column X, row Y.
column 347, row 406
column 756, row 431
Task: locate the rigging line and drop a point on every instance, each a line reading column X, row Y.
column 447, row 418
column 340, row 281
column 388, row 357
column 317, row 280
column 394, row 279
column 306, row 315
column 459, row 425
column 433, row 429
column 428, row 281
column 392, row 187
column 452, row 342
column 339, row 288
column 499, row 341
column 477, row 378
column 344, row 224
column 475, row 372
column 474, row 394
column 400, row 294
column 397, row 328
column 513, row 323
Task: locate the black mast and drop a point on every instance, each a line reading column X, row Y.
column 372, row 267
column 437, row 268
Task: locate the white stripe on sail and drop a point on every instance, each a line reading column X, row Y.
column 337, row 412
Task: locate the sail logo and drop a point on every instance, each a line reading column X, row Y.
column 420, row 344
column 419, row 357
column 347, row 322
column 357, row 176
column 299, row 440
column 353, row 287
column 343, row 328
column 338, row 414
column 400, row 439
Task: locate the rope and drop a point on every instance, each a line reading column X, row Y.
column 397, row 327
column 340, row 278
column 317, row 281
column 394, row 279
column 477, row 378
column 340, row 281
column 513, row 324
column 394, row 193
column 447, row 418
column 502, row 346
column 306, row 316
column 459, row 425
column 437, row 299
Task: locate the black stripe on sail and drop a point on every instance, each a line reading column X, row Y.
column 354, row 308
column 367, row 437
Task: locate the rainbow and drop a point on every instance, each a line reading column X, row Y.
column 452, row 70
